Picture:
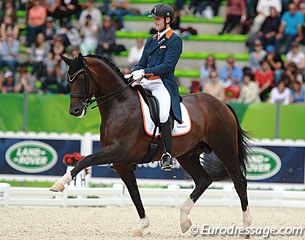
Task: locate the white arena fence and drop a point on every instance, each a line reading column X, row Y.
column 220, row 194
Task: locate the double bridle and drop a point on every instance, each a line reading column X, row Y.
column 85, row 96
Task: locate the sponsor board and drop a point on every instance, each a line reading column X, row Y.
column 263, row 164
column 31, row 156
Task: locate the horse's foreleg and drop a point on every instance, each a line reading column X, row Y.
column 105, row 156
column 190, row 163
column 127, row 175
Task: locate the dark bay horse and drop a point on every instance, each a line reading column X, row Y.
column 124, row 142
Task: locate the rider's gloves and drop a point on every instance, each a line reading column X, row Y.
column 138, row 75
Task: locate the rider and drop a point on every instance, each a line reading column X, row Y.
column 155, row 71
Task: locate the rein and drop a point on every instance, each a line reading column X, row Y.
column 87, row 101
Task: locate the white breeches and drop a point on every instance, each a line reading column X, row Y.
column 160, row 92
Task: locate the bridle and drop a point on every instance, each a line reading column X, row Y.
column 85, row 95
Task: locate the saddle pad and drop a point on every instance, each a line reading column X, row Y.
column 178, row 130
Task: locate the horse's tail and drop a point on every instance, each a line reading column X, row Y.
column 243, row 146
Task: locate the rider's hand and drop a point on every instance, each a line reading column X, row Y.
column 138, row 75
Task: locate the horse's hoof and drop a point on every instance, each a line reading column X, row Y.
column 137, row 233
column 186, row 225
column 57, row 187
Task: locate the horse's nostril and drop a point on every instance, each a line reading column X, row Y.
column 74, row 111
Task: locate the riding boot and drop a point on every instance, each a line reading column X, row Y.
column 166, row 136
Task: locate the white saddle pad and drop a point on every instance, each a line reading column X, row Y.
column 178, row 130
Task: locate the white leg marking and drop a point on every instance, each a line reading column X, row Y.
column 247, row 219
column 185, row 222
column 143, row 224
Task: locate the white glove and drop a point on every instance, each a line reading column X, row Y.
column 138, row 75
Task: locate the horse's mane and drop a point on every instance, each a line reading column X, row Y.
column 109, row 63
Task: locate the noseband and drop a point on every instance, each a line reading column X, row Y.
column 86, row 99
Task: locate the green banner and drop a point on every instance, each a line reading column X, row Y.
column 49, row 113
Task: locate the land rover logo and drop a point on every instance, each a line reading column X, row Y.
column 263, row 164
column 31, row 156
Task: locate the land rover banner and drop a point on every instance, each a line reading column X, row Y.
column 35, row 157
column 274, row 164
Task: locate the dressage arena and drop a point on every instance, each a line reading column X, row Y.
column 118, row 222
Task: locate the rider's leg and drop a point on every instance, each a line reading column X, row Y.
column 160, row 92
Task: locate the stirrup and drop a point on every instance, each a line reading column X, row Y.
column 166, row 162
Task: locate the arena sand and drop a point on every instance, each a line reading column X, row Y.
column 86, row 223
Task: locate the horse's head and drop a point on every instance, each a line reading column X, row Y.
column 78, row 77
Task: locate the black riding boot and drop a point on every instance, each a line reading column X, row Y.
column 166, row 136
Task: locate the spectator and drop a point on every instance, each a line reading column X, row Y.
column 36, row 19
column 235, row 12
column 195, row 86
column 106, row 38
column 265, row 79
column 8, row 26
column 214, row 87
column 118, row 10
column 9, row 10
column 297, row 94
column 297, row 56
column 9, row 52
column 263, row 11
column 69, row 34
column 8, row 83
column 280, row 94
column 249, row 92
column 256, row 56
column 89, row 33
column 24, row 84
column 269, row 28
column 293, row 73
column 275, row 61
column 135, row 53
column 301, row 6
column 209, row 65
column 231, row 74
column 38, row 55
column 94, row 12
column 290, row 28
column 50, row 30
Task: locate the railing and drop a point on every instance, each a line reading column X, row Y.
column 221, row 194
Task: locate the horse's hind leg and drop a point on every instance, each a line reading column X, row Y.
column 127, row 175
column 190, row 163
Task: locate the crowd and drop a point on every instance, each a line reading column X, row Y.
column 274, row 73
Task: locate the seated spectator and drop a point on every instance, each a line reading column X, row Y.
column 264, row 11
column 265, row 79
column 9, row 9
column 297, row 56
column 292, row 73
column 235, row 12
column 135, row 53
column 69, row 34
column 63, row 9
column 297, row 94
column 118, row 9
column 275, row 62
column 106, row 38
column 256, row 56
column 38, row 55
column 94, row 12
column 8, row 84
column 50, row 30
column 214, row 87
column 290, row 29
column 280, row 94
column 206, row 8
column 209, row 65
column 9, row 53
column 8, row 26
column 89, row 34
column 269, row 28
column 24, row 83
column 249, row 92
column 231, row 74
column 36, row 19
column 195, row 86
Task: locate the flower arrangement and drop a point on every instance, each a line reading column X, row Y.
column 72, row 159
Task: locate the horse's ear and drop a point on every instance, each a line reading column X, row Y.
column 80, row 57
column 65, row 59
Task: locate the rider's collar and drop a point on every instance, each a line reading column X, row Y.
column 160, row 34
